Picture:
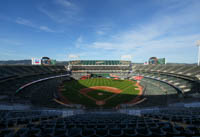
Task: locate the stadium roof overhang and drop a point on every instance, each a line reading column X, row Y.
column 99, row 65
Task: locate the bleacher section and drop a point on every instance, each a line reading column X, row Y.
column 99, row 63
column 100, row 66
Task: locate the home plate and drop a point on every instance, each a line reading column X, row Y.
column 100, row 94
column 100, row 103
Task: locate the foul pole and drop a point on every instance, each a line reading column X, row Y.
column 198, row 45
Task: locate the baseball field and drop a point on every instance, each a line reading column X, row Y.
column 100, row 92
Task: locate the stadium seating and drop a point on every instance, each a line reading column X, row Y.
column 100, row 66
column 182, row 84
column 162, row 84
column 99, row 62
column 183, row 77
column 11, row 71
column 166, row 122
column 13, row 77
column 42, row 94
column 187, row 71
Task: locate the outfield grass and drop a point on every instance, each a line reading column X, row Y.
column 73, row 87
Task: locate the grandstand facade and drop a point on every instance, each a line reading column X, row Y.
column 85, row 67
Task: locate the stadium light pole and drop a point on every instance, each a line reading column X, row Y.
column 198, row 45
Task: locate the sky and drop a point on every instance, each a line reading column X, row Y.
column 100, row 29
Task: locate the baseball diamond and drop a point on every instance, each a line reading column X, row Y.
column 109, row 92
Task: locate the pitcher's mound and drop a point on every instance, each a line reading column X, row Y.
column 100, row 94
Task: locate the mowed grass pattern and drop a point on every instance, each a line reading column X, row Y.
column 72, row 88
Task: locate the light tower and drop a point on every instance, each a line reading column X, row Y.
column 198, row 45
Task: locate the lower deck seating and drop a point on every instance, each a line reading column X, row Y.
column 41, row 93
column 185, row 86
column 10, row 86
column 29, row 124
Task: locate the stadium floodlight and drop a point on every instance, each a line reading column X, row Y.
column 198, row 45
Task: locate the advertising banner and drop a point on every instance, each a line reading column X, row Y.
column 161, row 61
column 36, row 61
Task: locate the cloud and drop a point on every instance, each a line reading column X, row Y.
column 164, row 33
column 198, row 42
column 8, row 54
column 104, row 45
column 45, row 28
column 64, row 11
column 103, row 29
column 168, row 34
column 25, row 22
column 126, row 57
column 28, row 23
column 73, row 56
column 100, row 32
column 80, row 39
column 79, row 42
column 65, row 3
column 60, row 57
column 10, row 42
